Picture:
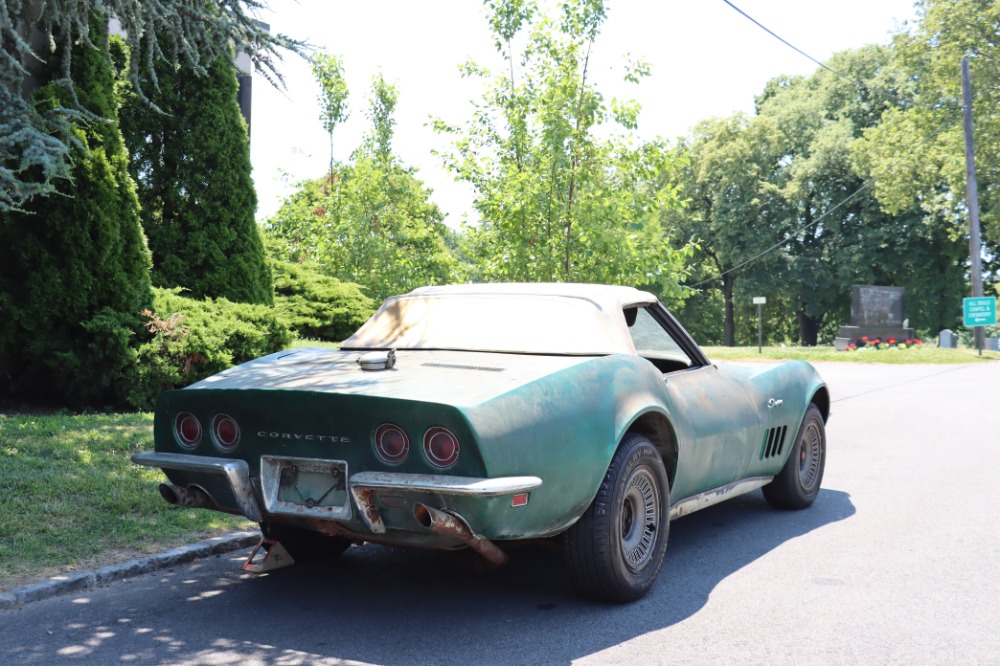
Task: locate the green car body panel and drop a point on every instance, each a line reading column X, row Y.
column 547, row 423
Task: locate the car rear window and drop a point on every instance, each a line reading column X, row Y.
column 501, row 323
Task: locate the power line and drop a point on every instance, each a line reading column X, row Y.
column 786, row 42
column 867, row 185
column 795, row 233
column 858, row 82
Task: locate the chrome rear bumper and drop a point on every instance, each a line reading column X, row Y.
column 363, row 486
column 234, row 472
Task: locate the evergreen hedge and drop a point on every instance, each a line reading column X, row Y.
column 74, row 267
column 189, row 339
column 317, row 306
column 192, row 165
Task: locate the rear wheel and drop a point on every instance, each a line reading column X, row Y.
column 615, row 551
column 305, row 545
column 798, row 482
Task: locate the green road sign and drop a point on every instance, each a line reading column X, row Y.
column 979, row 311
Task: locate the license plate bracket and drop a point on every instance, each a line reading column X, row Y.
column 308, row 487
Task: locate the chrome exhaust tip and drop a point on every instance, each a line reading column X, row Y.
column 192, row 496
column 452, row 525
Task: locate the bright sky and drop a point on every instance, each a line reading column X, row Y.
column 707, row 60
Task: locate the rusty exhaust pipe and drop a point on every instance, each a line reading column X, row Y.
column 454, row 526
column 192, row 496
column 170, row 493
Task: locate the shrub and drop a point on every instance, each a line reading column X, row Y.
column 74, row 267
column 192, row 339
column 192, row 166
column 316, row 305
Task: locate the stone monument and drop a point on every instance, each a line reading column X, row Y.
column 876, row 312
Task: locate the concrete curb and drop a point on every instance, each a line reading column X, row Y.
column 86, row 580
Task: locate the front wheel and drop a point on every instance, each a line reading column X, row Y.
column 797, row 484
column 615, row 551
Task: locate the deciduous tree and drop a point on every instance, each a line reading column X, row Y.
column 916, row 155
column 372, row 221
column 781, row 206
column 556, row 200
column 328, row 70
column 734, row 209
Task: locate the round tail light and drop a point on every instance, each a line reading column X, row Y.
column 441, row 447
column 225, row 432
column 391, row 444
column 187, row 430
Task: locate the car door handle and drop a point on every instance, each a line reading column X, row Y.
column 774, row 402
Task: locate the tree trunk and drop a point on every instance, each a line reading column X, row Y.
column 808, row 326
column 730, row 319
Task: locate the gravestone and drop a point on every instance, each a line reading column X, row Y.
column 876, row 312
column 947, row 339
column 875, row 307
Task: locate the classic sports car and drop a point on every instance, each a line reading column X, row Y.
column 477, row 415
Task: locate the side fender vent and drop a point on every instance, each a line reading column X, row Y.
column 774, row 442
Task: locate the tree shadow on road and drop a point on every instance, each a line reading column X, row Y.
column 395, row 606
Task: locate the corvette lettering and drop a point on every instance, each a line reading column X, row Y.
column 333, row 439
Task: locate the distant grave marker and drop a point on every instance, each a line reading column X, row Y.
column 876, row 312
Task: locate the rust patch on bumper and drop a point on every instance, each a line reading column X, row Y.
column 365, row 499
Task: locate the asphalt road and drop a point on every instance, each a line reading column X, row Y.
column 896, row 563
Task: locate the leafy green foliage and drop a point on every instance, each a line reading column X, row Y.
column 556, row 201
column 35, row 142
column 191, row 160
column 317, row 306
column 734, row 208
column 74, row 268
column 191, row 339
column 328, row 70
column 779, row 205
column 372, row 223
column 916, row 156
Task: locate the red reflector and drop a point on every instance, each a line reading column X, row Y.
column 519, row 500
column 441, row 447
column 225, row 432
column 391, row 443
column 187, row 430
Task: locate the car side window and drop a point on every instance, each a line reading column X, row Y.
column 653, row 342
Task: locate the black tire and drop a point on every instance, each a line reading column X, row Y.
column 798, row 482
column 611, row 556
column 305, row 545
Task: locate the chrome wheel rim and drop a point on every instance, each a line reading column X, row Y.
column 810, row 456
column 640, row 518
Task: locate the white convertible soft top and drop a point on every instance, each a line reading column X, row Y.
column 545, row 318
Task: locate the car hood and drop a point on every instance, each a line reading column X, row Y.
column 457, row 378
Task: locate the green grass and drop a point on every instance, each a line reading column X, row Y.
column 917, row 354
column 300, row 343
column 70, row 497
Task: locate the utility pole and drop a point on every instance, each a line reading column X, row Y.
column 972, row 196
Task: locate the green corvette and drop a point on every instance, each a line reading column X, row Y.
column 476, row 415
